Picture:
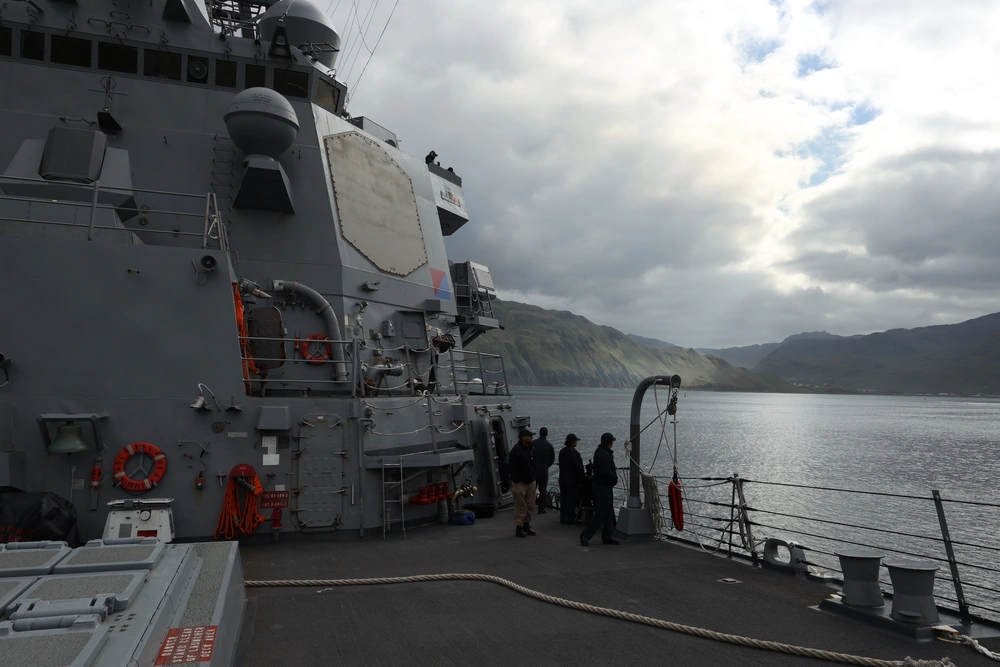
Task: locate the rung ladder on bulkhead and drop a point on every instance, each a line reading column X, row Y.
column 392, row 477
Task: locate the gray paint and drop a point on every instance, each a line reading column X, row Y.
column 119, row 318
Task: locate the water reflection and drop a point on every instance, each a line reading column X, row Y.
column 898, row 445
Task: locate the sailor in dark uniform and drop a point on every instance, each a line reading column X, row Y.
column 430, row 157
column 570, row 478
column 605, row 480
column 545, row 456
column 521, row 463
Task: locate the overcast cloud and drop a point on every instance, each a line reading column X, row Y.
column 710, row 174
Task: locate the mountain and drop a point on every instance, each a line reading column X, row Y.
column 749, row 356
column 560, row 349
column 650, row 342
column 955, row 358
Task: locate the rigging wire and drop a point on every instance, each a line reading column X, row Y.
column 347, row 43
column 363, row 26
column 375, row 48
column 355, row 48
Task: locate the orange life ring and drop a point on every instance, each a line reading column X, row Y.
column 676, row 501
column 155, row 475
column 319, row 357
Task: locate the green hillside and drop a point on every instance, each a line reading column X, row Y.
column 559, row 349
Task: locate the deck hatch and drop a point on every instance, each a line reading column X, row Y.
column 99, row 557
column 31, row 558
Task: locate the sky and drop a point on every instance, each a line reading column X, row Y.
column 711, row 174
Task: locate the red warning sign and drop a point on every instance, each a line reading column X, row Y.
column 270, row 500
column 184, row 645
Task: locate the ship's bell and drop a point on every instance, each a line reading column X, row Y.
column 68, row 440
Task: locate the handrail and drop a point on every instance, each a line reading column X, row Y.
column 456, row 387
column 213, row 227
column 971, row 583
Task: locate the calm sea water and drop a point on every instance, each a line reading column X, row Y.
column 898, row 445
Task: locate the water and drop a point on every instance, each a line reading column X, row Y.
column 899, row 445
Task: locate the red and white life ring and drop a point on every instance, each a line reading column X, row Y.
column 315, row 357
column 155, row 475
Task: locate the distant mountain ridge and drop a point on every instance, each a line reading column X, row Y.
column 749, row 356
column 959, row 358
column 559, row 349
column 650, row 342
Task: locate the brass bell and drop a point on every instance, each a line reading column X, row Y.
column 68, row 440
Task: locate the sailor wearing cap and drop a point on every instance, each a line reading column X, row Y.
column 605, row 480
column 522, row 474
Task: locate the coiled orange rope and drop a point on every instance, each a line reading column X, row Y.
column 233, row 518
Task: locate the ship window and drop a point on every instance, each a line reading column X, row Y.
column 5, row 41
column 255, row 76
column 162, row 64
column 33, row 45
column 70, row 51
column 197, row 69
column 117, row 58
column 327, row 96
column 290, row 82
column 225, row 73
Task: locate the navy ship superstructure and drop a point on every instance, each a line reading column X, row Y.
column 215, row 275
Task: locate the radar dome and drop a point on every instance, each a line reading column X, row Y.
column 307, row 26
column 261, row 122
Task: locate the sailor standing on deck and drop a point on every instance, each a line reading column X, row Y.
column 522, row 473
column 545, row 456
column 605, row 480
column 571, row 474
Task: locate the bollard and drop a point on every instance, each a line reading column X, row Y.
column 913, row 591
column 861, row 568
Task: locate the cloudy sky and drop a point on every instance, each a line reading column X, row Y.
column 707, row 173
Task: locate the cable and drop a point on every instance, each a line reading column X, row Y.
column 375, row 48
column 843, row 658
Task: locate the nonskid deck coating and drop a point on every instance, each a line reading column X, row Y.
column 477, row 623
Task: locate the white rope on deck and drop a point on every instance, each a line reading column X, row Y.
column 843, row 658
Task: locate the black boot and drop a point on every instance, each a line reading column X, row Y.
column 520, row 531
column 528, row 530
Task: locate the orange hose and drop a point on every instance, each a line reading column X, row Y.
column 232, row 518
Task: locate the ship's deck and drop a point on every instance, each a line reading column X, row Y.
column 479, row 623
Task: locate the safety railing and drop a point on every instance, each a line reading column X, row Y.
column 736, row 516
column 472, row 371
column 477, row 303
column 265, row 372
column 397, row 372
column 21, row 198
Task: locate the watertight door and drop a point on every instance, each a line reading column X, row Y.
column 320, row 482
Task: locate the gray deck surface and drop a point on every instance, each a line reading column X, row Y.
column 478, row 623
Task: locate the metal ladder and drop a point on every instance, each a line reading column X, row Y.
column 387, row 486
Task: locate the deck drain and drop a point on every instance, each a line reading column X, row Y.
column 729, row 580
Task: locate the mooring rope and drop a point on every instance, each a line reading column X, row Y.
column 976, row 646
column 843, row 658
